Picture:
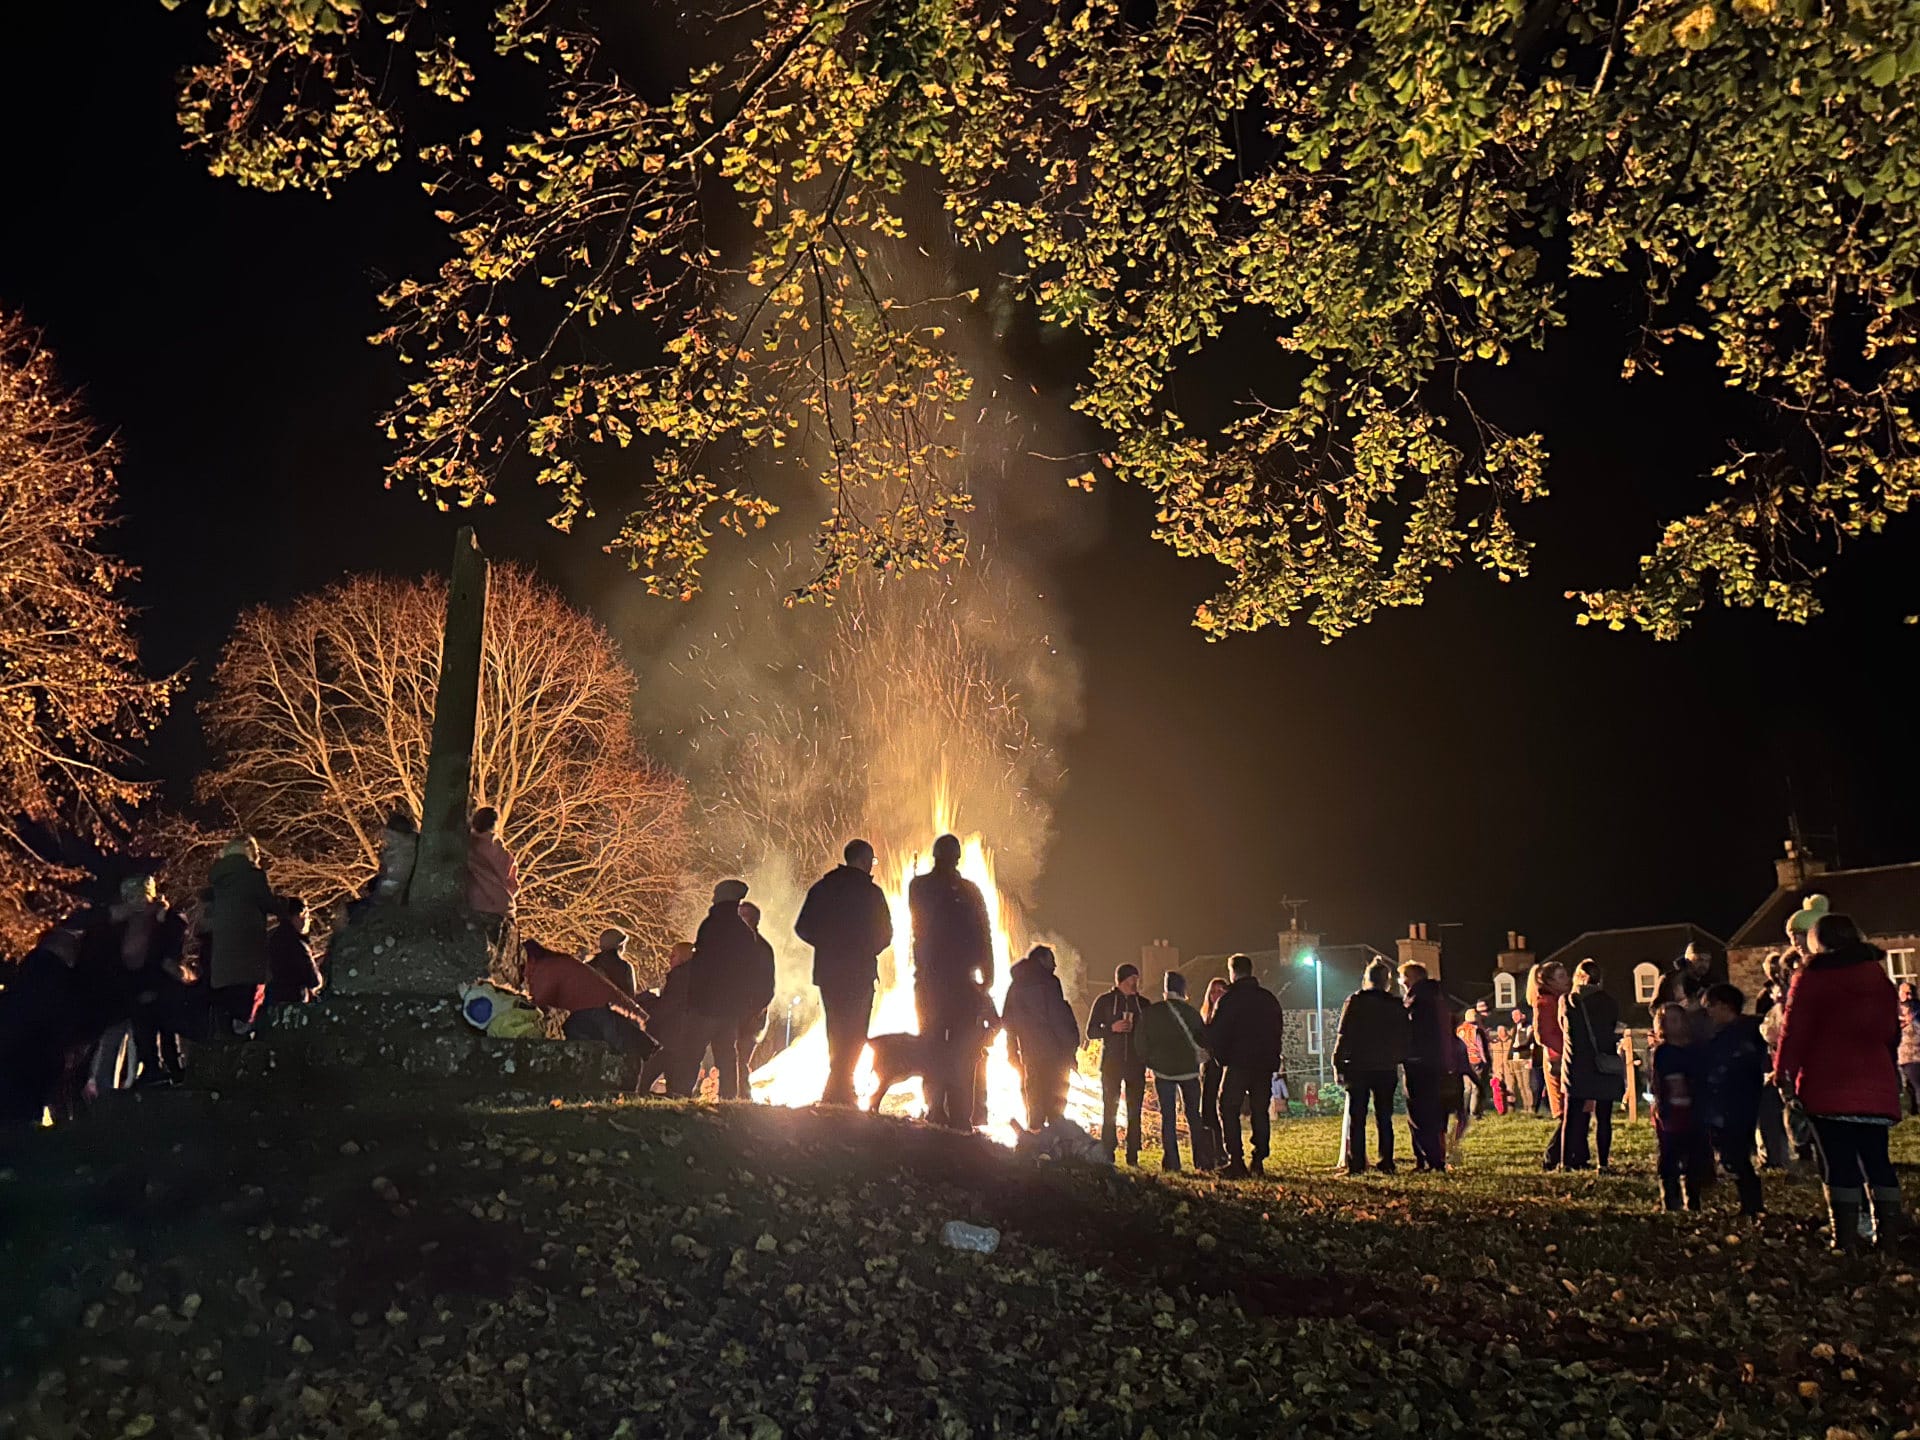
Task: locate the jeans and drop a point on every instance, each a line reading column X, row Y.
column 1574, row 1154
column 847, row 1014
column 1851, row 1150
column 1186, row 1092
column 1133, row 1080
column 1237, row 1086
column 1431, row 1098
column 953, row 1019
column 616, row 1032
column 1377, row 1087
column 1776, row 1148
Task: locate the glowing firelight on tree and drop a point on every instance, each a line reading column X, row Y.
column 797, row 1075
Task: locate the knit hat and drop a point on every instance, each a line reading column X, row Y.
column 729, row 892
column 1802, row 921
column 1125, row 972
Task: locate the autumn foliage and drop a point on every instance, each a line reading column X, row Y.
column 71, row 689
column 320, row 721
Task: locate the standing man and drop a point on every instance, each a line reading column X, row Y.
column 1112, row 1022
column 1042, row 1035
column 1520, row 1058
column 1367, row 1055
column 1245, row 1036
column 719, row 978
column 1433, row 1088
column 846, row 922
column 1168, row 1040
column 952, row 972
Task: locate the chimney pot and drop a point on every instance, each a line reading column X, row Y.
column 1523, row 943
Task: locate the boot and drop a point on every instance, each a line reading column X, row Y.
column 1843, row 1209
column 1670, row 1192
column 1889, row 1221
column 1747, row 1187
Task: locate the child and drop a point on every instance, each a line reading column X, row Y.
column 1736, row 1073
column 1281, row 1098
column 1686, row 1159
column 1467, row 1088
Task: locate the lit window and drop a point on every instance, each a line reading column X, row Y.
column 1646, row 983
column 1505, row 992
column 1900, row 965
column 1313, row 1032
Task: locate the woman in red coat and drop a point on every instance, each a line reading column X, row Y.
column 1837, row 1045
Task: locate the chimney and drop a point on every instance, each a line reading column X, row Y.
column 1516, row 959
column 1416, row 947
column 1794, row 868
column 1156, row 958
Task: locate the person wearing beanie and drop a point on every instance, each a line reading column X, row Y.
column 1169, row 1042
column 1042, row 1035
column 610, row 960
column 1112, row 1022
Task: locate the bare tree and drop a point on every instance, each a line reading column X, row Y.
column 71, row 689
column 320, row 721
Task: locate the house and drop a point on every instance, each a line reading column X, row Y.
column 1883, row 900
column 1633, row 960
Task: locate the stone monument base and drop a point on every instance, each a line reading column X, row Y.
column 373, row 1046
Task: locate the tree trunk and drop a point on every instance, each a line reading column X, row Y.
column 440, row 877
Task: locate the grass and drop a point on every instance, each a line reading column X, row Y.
column 419, row 1266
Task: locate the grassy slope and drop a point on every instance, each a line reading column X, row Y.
column 648, row 1270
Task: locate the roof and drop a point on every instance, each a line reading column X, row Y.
column 1882, row 900
column 1620, row 952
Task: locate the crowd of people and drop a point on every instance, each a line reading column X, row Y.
column 1814, row 1074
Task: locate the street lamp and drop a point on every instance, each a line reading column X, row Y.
column 1307, row 957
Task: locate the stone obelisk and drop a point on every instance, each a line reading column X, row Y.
column 440, row 877
column 431, row 944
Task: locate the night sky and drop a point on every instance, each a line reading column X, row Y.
column 1478, row 761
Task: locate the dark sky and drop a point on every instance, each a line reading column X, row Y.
column 1477, row 761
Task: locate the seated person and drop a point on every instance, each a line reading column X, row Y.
column 596, row 1009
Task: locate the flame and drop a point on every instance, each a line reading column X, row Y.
column 798, row 1074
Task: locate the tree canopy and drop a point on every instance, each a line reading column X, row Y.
column 1397, row 197
column 320, row 721
column 71, row 687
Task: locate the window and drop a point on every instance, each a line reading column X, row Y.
column 1901, row 967
column 1313, row 1032
column 1505, row 992
column 1646, row 983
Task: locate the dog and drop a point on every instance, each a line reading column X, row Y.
column 911, row 1057
column 1058, row 1142
column 898, row 1058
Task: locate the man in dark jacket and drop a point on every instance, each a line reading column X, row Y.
column 1168, row 1040
column 720, row 977
column 1432, row 1079
column 1042, row 1035
column 667, row 1019
column 1687, row 980
column 952, row 970
column 1111, row 1022
column 1245, row 1036
column 1367, row 1055
column 845, row 920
